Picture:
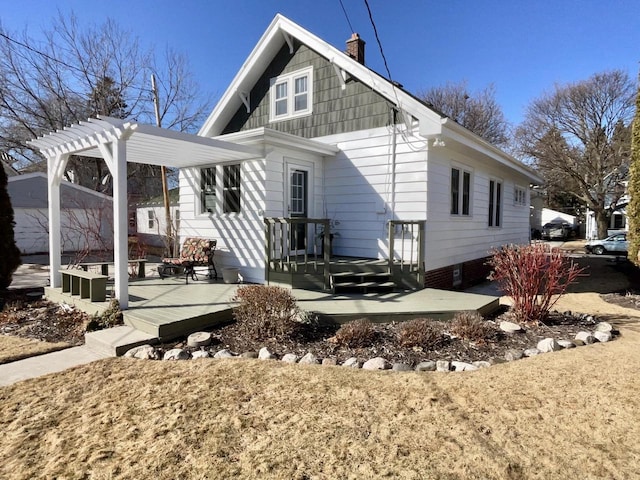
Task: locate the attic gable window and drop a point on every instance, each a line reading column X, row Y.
column 291, row 95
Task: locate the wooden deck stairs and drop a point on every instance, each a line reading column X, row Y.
column 362, row 278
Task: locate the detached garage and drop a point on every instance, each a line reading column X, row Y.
column 86, row 215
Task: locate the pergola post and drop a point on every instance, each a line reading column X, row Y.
column 55, row 169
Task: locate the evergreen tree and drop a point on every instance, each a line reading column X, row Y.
column 633, row 209
column 10, row 252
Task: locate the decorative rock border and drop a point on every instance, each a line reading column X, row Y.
column 603, row 332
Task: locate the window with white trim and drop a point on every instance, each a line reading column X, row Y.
column 208, row 189
column 460, row 191
column 152, row 219
column 519, row 196
column 231, row 188
column 291, row 95
column 495, row 203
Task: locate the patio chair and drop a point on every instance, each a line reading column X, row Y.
column 195, row 252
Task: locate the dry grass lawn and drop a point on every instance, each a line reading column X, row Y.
column 17, row 348
column 570, row 414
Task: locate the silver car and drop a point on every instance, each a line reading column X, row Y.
column 615, row 244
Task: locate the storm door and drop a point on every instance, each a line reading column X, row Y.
column 298, row 208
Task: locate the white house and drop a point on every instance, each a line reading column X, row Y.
column 342, row 142
column 305, row 139
column 87, row 222
column 151, row 219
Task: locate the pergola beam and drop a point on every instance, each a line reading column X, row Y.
column 118, row 142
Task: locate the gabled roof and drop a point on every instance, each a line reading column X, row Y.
column 30, row 191
column 282, row 31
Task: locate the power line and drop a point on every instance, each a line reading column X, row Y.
column 375, row 31
column 346, row 16
column 62, row 62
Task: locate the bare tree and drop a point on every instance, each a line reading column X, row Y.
column 476, row 111
column 578, row 136
column 80, row 71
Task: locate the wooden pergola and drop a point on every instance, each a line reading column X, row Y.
column 119, row 142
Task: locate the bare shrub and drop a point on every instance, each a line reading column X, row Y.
column 471, row 326
column 265, row 311
column 420, row 332
column 355, row 334
column 534, row 276
column 111, row 317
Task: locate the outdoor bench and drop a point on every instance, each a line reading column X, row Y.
column 195, row 252
column 104, row 266
column 86, row 284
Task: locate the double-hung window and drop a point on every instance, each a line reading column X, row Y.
column 291, row 95
column 231, row 187
column 152, row 219
column 208, row 189
column 519, row 196
column 220, row 194
column 460, row 191
column 495, row 203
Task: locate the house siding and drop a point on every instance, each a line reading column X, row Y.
column 358, row 197
column 456, row 239
column 335, row 110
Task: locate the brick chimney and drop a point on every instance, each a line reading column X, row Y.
column 355, row 48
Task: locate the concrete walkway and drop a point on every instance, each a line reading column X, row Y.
column 37, row 366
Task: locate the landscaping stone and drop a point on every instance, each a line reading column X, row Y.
column 427, row 366
column 200, row 354
column 351, row 363
column 309, row 359
column 512, row 355
column 224, row 353
column 265, row 354
column 377, row 363
column 462, row 367
column 176, row 354
column 143, row 352
column 443, row 366
column 548, row 345
column 566, row 344
column 199, row 339
column 481, row 364
column 510, row 327
column 604, row 327
column 531, row 352
column 329, row 362
column 290, row 358
column 602, row 336
column 249, row 355
column 400, row 367
column 586, row 337
column 579, row 343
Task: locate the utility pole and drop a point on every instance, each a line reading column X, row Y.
column 163, row 172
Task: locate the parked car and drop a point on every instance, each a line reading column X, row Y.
column 615, row 244
column 556, row 231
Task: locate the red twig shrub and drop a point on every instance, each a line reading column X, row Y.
column 265, row 311
column 420, row 332
column 358, row 333
column 534, row 276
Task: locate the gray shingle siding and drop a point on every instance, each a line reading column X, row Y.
column 335, row 110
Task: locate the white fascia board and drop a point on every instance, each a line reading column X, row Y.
column 266, row 136
column 266, row 49
column 464, row 136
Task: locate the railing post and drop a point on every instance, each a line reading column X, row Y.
column 391, row 245
column 267, row 243
column 326, row 254
column 421, row 253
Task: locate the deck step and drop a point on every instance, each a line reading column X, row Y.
column 362, row 282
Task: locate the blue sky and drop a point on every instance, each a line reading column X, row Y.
column 523, row 48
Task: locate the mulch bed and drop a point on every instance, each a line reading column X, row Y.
column 43, row 320
column 318, row 341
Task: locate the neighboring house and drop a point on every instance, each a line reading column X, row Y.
column 341, row 142
column 151, row 219
column 618, row 220
column 86, row 215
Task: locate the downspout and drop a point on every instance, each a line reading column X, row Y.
column 393, row 163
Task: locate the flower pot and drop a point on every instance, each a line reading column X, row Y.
column 230, row 275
